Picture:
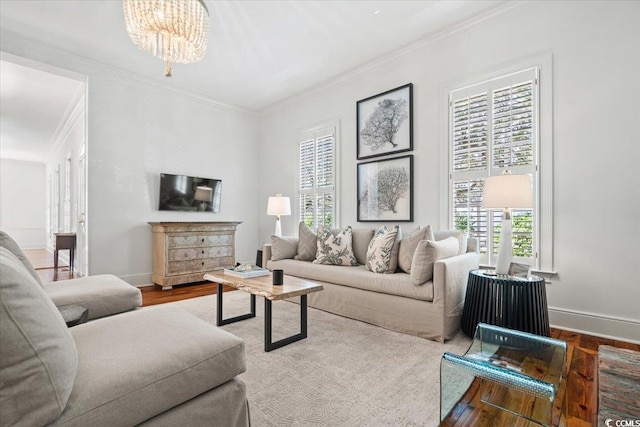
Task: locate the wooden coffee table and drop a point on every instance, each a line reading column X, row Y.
column 262, row 286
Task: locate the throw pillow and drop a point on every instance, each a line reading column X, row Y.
column 380, row 250
column 335, row 250
column 7, row 242
column 308, row 243
column 427, row 253
column 408, row 247
column 283, row 247
column 361, row 239
column 38, row 358
column 460, row 235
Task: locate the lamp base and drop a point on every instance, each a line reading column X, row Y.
column 505, row 250
column 278, row 231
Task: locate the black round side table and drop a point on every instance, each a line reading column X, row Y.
column 506, row 301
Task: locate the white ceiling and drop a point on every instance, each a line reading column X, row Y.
column 260, row 52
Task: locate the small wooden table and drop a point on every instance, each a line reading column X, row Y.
column 64, row 241
column 262, row 286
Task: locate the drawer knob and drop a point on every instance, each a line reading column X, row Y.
column 202, row 262
column 202, row 240
column 203, row 252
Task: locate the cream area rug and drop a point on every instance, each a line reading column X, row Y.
column 346, row 373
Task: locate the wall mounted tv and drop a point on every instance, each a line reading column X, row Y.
column 189, row 193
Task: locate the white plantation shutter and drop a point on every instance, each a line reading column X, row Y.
column 470, row 133
column 317, row 188
column 493, row 128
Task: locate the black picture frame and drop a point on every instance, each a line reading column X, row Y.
column 375, row 200
column 383, row 137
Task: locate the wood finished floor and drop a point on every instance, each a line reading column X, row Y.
column 582, row 349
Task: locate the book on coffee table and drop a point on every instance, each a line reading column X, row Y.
column 256, row 272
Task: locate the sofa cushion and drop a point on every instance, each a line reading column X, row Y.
column 7, row 242
column 408, row 246
column 283, row 247
column 103, row 294
column 335, row 250
column 38, row 359
column 136, row 365
column 308, row 243
column 427, row 253
column 357, row 277
column 361, row 239
column 380, row 252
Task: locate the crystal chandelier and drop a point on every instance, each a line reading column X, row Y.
column 173, row 30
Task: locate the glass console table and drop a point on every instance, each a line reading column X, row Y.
column 504, row 375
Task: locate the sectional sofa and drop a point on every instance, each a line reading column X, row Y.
column 395, row 301
column 153, row 366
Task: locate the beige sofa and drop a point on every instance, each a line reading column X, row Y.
column 432, row 310
column 154, row 366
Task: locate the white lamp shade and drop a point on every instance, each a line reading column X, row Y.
column 507, row 191
column 278, row 205
column 203, row 194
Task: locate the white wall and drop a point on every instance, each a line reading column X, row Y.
column 594, row 48
column 22, row 202
column 137, row 130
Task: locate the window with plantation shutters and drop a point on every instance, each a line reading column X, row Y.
column 493, row 128
column 317, row 188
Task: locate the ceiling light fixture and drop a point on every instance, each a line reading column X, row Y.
column 173, row 30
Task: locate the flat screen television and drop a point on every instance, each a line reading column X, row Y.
column 189, row 193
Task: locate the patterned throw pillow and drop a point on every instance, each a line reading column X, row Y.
column 308, row 243
column 335, row 250
column 408, row 246
column 380, row 250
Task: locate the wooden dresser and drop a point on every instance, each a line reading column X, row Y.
column 183, row 252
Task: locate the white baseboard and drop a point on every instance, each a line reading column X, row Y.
column 594, row 324
column 138, row 280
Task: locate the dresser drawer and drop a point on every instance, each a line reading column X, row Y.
column 185, row 254
column 195, row 265
column 198, row 240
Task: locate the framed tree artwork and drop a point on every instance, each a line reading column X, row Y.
column 385, row 123
column 385, row 190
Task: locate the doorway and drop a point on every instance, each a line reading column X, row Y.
column 45, row 110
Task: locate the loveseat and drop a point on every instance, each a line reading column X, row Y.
column 399, row 300
column 151, row 366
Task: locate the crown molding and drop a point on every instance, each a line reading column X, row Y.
column 33, row 50
column 465, row 28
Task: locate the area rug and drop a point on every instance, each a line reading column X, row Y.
column 618, row 385
column 346, row 373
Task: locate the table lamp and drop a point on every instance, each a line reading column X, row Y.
column 507, row 192
column 278, row 205
column 203, row 195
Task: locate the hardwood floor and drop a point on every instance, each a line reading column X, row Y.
column 42, row 261
column 582, row 354
column 152, row 295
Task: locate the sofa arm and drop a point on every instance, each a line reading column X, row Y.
column 450, row 277
column 266, row 254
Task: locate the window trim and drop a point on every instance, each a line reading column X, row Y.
column 303, row 135
column 544, row 263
